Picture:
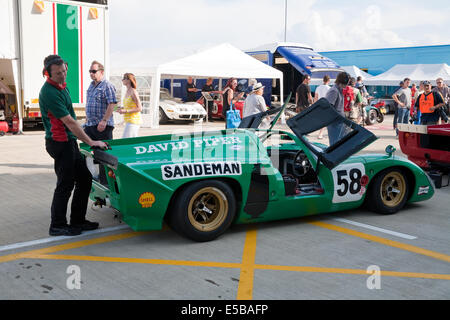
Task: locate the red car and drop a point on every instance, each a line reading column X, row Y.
column 218, row 105
column 429, row 148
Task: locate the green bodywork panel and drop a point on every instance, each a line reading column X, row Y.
column 151, row 170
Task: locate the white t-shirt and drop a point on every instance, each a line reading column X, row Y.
column 405, row 96
column 321, row 91
column 254, row 104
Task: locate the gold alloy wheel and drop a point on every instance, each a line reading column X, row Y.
column 393, row 189
column 208, row 209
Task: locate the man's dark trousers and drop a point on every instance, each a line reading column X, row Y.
column 71, row 171
column 94, row 134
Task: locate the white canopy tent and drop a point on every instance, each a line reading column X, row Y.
column 221, row 62
column 416, row 72
column 356, row 72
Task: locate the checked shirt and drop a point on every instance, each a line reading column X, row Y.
column 98, row 98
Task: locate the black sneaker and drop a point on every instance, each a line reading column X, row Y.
column 86, row 225
column 64, row 231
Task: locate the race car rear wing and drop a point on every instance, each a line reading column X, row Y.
column 414, row 128
column 105, row 158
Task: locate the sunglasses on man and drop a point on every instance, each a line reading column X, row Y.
column 94, row 71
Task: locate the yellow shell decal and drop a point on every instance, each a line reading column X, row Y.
column 147, row 199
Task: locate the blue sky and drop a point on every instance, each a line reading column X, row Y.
column 151, row 32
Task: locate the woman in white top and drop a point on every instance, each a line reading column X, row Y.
column 321, row 92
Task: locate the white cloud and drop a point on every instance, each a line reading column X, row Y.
column 150, row 32
column 328, row 31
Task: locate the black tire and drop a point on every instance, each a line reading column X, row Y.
column 371, row 117
column 203, row 210
column 380, row 117
column 162, row 116
column 2, row 133
column 388, row 192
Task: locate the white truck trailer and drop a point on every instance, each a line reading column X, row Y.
column 31, row 30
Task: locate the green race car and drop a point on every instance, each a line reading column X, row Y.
column 202, row 182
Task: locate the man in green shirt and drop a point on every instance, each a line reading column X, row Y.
column 61, row 133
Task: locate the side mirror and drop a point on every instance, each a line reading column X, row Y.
column 390, row 150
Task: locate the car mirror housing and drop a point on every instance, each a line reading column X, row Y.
column 390, row 150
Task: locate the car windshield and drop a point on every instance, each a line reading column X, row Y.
column 164, row 95
column 274, row 138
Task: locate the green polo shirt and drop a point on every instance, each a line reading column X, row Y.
column 55, row 103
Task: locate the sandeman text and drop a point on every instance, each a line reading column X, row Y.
column 189, row 170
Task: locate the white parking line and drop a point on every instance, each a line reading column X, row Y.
column 362, row 225
column 59, row 238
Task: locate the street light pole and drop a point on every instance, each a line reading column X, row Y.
column 285, row 20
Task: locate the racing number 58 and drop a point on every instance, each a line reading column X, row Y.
column 351, row 181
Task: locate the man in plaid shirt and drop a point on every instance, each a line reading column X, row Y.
column 101, row 100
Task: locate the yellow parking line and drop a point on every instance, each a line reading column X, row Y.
column 212, row 264
column 68, row 246
column 245, row 289
column 354, row 271
column 140, row 260
column 387, row 242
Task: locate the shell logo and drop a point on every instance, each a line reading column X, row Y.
column 147, row 199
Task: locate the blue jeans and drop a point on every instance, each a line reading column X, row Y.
column 402, row 116
column 335, row 132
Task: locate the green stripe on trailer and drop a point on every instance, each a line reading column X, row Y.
column 68, row 46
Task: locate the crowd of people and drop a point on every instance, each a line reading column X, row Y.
column 424, row 105
column 334, row 95
column 252, row 96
